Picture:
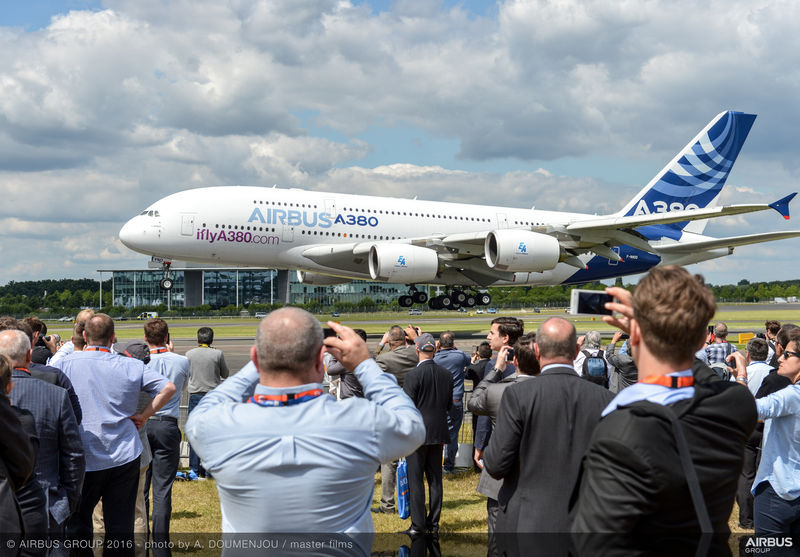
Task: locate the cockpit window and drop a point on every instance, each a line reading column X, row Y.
column 143, row 212
column 150, row 213
column 156, row 214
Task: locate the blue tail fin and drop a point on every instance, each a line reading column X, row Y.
column 694, row 178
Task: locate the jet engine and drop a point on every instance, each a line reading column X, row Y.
column 305, row 277
column 521, row 251
column 402, row 263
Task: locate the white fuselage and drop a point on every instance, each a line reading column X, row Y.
column 272, row 227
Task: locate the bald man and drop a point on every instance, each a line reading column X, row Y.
column 286, row 456
column 543, row 427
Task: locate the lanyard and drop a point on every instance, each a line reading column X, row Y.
column 158, row 350
column 669, row 381
column 204, row 346
column 97, row 349
column 23, row 369
column 289, row 399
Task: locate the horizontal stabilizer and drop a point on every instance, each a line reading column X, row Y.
column 731, row 242
column 782, row 205
column 616, row 222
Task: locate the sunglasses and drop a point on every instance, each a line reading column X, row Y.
column 789, row 353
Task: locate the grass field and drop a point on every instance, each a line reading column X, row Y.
column 738, row 318
column 462, row 527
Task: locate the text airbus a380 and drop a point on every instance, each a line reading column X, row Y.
column 332, row 238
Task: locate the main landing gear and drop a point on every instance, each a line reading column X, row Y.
column 166, row 283
column 414, row 297
column 452, row 299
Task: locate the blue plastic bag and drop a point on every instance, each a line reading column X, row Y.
column 403, row 503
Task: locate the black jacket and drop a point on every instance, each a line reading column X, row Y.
column 431, row 388
column 543, row 428
column 632, row 480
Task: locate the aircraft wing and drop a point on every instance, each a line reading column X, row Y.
column 730, row 242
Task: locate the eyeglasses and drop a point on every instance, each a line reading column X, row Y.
column 789, row 353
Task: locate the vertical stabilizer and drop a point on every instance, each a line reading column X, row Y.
column 694, row 178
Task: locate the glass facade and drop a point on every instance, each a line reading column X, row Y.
column 220, row 287
column 230, row 287
column 141, row 288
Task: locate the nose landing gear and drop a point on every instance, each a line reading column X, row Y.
column 167, row 282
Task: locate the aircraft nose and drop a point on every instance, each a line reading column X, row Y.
column 130, row 233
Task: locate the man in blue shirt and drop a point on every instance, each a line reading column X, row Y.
column 108, row 386
column 777, row 483
column 162, row 427
column 455, row 361
column 287, row 457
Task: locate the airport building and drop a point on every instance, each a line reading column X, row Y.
column 196, row 285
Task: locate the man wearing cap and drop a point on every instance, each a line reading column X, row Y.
column 162, row 427
column 431, row 388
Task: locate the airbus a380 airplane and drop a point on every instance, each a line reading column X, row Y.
column 332, row 238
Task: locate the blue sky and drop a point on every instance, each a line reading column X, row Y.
column 107, row 106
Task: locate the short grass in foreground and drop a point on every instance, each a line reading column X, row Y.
column 195, row 508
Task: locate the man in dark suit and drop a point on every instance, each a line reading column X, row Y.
column 60, row 462
column 666, row 428
column 17, row 458
column 485, row 401
column 543, row 427
column 431, row 388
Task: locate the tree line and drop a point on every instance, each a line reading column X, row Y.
column 65, row 297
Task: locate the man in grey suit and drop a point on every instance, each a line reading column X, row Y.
column 60, row 461
column 485, row 401
column 543, row 429
column 401, row 359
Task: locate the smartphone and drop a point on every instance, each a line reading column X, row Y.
column 711, row 329
column 589, row 302
column 510, row 355
column 625, row 336
column 328, row 332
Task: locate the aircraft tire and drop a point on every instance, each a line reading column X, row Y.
column 470, row 301
column 166, row 283
column 458, row 296
column 446, row 301
column 435, row 303
column 455, row 306
column 419, row 297
column 405, row 301
column 484, row 299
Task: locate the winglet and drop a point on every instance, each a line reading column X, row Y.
column 782, row 205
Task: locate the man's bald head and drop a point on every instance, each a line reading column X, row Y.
column 99, row 330
column 288, row 340
column 557, row 340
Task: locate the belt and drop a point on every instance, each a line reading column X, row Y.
column 164, row 419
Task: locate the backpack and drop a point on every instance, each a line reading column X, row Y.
column 721, row 370
column 594, row 368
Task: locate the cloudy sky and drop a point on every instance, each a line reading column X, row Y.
column 106, row 106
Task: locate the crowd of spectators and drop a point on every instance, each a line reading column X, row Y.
column 654, row 438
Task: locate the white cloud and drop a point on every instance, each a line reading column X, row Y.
column 103, row 112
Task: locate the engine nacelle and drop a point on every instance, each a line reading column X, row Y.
column 402, row 263
column 521, row 251
column 305, row 277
